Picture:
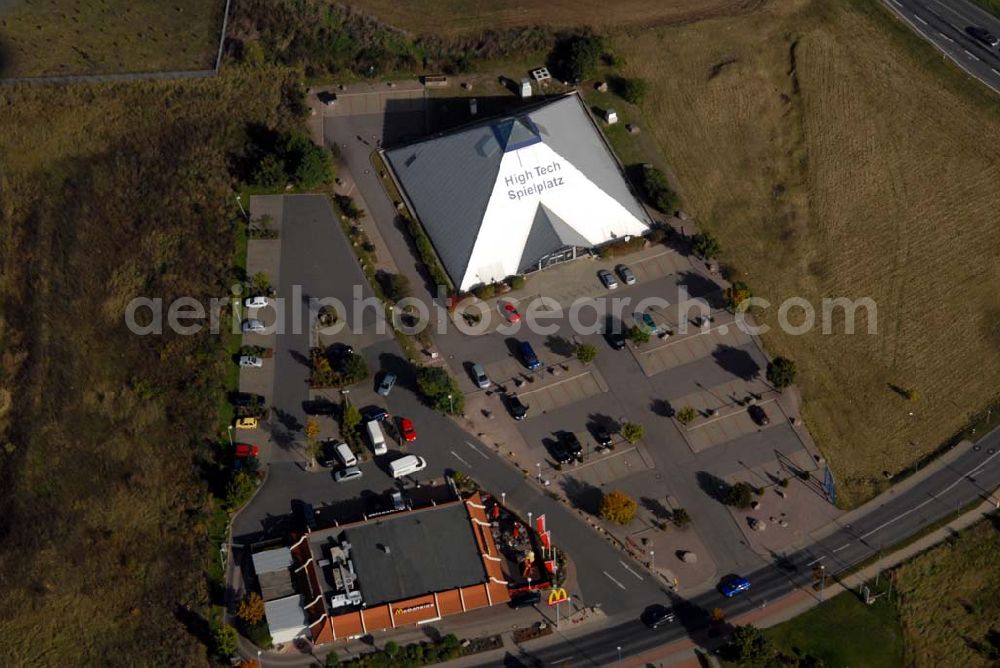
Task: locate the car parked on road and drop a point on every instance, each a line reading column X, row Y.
column 252, row 325
column 758, row 415
column 376, row 436
column 388, row 382
column 251, row 362
column 406, row 430
column 626, row 274
column 602, row 435
column 517, row 410
column 244, row 450
column 246, row 400
column 608, row 279
column 731, row 585
column 479, row 376
column 246, row 423
column 528, row 356
column 983, row 35
column 406, row 465
column 348, row 474
column 374, row 413
column 657, row 615
column 260, row 301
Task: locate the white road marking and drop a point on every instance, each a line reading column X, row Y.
column 934, row 497
column 620, row 585
column 816, row 559
column 995, row 71
column 917, row 17
column 841, row 547
column 625, row 566
column 946, row 37
column 970, row 54
column 897, row 3
column 459, row 458
column 478, row 451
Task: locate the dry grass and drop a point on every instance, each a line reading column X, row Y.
column 59, row 37
column 862, row 166
column 950, row 601
column 453, row 17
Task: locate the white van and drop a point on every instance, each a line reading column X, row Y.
column 376, row 437
column 406, row 465
column 345, row 455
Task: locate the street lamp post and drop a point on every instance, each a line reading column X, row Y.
column 451, row 404
column 230, row 429
column 619, row 656
column 652, row 556
column 239, row 202
column 503, row 499
column 260, row 663
column 539, row 467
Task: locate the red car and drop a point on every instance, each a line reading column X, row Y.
column 511, row 313
column 244, row 450
column 407, row 430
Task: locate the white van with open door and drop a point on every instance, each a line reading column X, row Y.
column 406, row 465
column 377, row 437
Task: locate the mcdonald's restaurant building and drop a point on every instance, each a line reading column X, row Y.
column 399, row 569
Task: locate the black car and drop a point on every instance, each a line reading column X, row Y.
column 615, row 338
column 656, row 616
column 376, row 413
column 326, row 457
column 525, row 599
column 307, row 514
column 517, row 410
column 339, row 353
column 758, row 415
column 983, row 35
column 566, row 448
column 602, row 436
column 246, row 400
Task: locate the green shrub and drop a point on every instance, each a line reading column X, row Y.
column 485, row 291
column 576, row 58
column 680, row 518
column 632, row 432
column 440, row 390
column 516, row 282
column 657, row 190
column 686, row 415
column 225, row 638
column 586, row 353
column 781, row 372
column 638, row 335
column 706, row 246
column 739, row 495
column 633, row 90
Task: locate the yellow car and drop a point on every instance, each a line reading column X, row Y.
column 246, row 423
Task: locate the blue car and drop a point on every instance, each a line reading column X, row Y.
column 733, row 585
column 528, row 355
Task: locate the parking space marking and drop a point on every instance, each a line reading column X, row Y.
column 845, row 545
column 946, row 37
column 917, row 17
column 478, row 451
column 620, row 585
column 459, row 458
column 970, row 54
column 625, row 566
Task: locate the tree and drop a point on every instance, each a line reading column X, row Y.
column 307, row 164
column 748, row 646
column 706, row 246
column 686, row 415
column 576, row 58
column 270, row 172
column 239, row 490
column 618, row 507
column 260, row 284
column 440, row 389
column 638, row 334
column 251, row 608
column 739, row 495
column 657, row 189
column 586, row 353
column 225, row 637
column 311, row 432
column 781, row 372
column 395, row 286
column 392, row 649
column 355, row 369
column 632, row 432
column 633, row 90
column 350, row 418
column 332, row 660
column 736, row 294
column 680, row 518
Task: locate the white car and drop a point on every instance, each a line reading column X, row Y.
column 260, row 301
column 251, row 361
column 348, row 474
column 252, row 325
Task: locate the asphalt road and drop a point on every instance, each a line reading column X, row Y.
column 971, row 476
column 943, row 23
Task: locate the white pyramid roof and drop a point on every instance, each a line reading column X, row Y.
column 498, row 197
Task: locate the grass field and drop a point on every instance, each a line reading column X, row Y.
column 109, row 193
column 452, row 17
column 950, row 601
column 60, row 37
column 837, row 155
column 844, row 632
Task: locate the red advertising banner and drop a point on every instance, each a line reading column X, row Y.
column 540, row 524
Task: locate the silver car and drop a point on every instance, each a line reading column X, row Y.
column 252, row 325
column 251, row 361
column 388, row 382
column 348, row 474
column 479, row 375
column 608, row 279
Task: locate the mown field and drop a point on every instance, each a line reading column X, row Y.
column 836, row 155
column 109, row 193
column 949, row 601
column 451, row 17
column 60, row 37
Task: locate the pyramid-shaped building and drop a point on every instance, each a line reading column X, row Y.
column 517, row 193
